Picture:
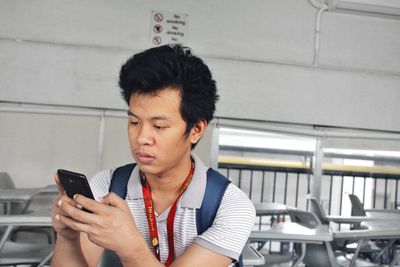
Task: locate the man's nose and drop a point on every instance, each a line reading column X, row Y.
column 144, row 136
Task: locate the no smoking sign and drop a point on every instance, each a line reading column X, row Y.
column 168, row 27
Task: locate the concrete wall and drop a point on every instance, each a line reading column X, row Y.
column 261, row 53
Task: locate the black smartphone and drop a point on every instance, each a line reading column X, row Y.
column 74, row 183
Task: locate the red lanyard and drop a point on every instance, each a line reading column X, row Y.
column 151, row 218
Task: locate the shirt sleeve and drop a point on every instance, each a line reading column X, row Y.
column 232, row 225
column 100, row 183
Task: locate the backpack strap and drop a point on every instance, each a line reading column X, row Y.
column 120, row 178
column 109, row 258
column 118, row 185
column 215, row 190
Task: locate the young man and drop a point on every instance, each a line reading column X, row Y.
column 171, row 97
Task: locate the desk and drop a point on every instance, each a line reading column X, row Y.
column 374, row 230
column 383, row 214
column 17, row 195
column 380, row 216
column 21, row 195
column 40, row 254
column 296, row 233
column 270, row 208
column 359, row 219
column 383, row 210
column 24, row 195
column 11, row 221
column 251, row 257
column 49, row 189
column 26, row 220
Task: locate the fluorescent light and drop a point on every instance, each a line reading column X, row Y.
column 255, row 139
column 362, row 152
column 384, row 7
column 358, row 162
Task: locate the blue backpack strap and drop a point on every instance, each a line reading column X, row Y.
column 118, row 185
column 110, row 258
column 215, row 190
column 239, row 263
column 120, row 178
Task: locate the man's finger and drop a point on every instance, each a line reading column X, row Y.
column 66, row 199
column 58, row 202
column 75, row 225
column 88, row 203
column 112, row 199
column 60, row 188
column 70, row 209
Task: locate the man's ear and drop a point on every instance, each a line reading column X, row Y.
column 197, row 131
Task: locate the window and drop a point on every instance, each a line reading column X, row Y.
column 277, row 162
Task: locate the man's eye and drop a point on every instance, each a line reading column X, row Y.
column 158, row 127
column 134, row 123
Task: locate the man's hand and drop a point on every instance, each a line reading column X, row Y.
column 62, row 229
column 110, row 225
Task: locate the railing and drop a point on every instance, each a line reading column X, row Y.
column 289, row 183
column 256, row 181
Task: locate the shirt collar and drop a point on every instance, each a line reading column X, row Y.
column 191, row 198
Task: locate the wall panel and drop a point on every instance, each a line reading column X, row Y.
column 361, row 42
column 308, row 95
column 34, row 146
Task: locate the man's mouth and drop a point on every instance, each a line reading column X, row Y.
column 145, row 158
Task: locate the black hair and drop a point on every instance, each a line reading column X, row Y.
column 176, row 67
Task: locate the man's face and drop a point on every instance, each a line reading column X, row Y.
column 157, row 131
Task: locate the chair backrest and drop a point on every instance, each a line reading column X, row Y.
column 318, row 210
column 357, row 208
column 16, row 254
column 5, row 181
column 306, row 218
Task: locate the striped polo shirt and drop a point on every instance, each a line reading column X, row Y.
column 227, row 235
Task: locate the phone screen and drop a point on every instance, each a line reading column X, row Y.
column 74, row 183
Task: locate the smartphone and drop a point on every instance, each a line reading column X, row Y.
column 74, row 183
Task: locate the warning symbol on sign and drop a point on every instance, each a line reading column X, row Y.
column 157, row 40
column 158, row 17
column 157, row 28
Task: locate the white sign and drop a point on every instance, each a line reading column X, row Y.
column 168, row 27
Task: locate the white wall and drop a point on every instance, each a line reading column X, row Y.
column 34, row 146
column 261, row 53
